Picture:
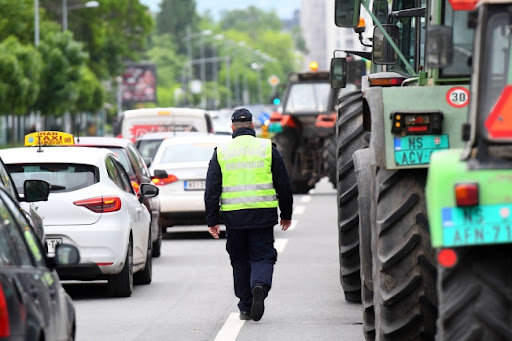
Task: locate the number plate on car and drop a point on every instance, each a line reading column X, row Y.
column 416, row 150
column 193, row 185
column 52, row 243
column 485, row 224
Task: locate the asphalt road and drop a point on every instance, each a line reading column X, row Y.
column 191, row 296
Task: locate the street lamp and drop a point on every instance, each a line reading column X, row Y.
column 188, row 39
column 66, row 8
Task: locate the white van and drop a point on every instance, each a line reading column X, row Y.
column 137, row 122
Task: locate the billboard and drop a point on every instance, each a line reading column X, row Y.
column 139, row 83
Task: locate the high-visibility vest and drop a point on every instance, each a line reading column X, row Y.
column 246, row 163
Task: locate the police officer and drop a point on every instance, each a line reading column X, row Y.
column 249, row 179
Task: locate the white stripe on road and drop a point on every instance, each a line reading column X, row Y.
column 231, row 328
column 279, row 244
column 306, row 198
column 299, row 210
column 292, row 226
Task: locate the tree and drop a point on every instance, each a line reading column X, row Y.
column 63, row 59
column 174, row 18
column 250, row 20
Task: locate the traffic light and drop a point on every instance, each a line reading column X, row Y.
column 275, row 99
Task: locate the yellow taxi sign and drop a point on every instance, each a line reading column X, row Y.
column 49, row 138
column 164, row 112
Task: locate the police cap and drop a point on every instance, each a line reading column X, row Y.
column 241, row 115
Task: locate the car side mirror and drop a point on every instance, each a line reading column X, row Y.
column 338, row 73
column 35, row 190
column 66, row 254
column 148, row 191
column 383, row 52
column 160, row 174
column 381, row 10
column 148, row 161
column 346, row 13
column 439, row 49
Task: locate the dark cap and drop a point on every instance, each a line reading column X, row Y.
column 241, row 115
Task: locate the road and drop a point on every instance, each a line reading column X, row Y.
column 191, row 296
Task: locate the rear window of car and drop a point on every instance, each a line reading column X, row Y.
column 62, row 177
column 148, row 148
column 193, row 152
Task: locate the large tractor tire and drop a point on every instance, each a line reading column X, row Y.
column 475, row 296
column 286, row 145
column 365, row 174
column 404, row 267
column 350, row 137
column 329, row 159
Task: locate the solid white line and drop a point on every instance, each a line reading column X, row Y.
column 280, row 244
column 292, row 226
column 306, row 198
column 230, row 329
column 298, row 210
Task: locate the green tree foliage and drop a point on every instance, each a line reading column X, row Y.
column 174, row 18
column 250, row 20
column 63, row 59
column 169, row 64
column 91, row 95
column 20, row 68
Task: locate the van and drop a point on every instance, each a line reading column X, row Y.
column 135, row 123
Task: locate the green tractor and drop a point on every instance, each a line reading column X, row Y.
column 406, row 110
column 469, row 191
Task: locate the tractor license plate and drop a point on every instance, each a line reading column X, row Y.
column 416, row 150
column 486, row 224
column 194, row 185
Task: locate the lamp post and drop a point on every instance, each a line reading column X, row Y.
column 66, row 8
column 188, row 39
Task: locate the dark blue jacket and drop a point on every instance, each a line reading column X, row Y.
column 248, row 218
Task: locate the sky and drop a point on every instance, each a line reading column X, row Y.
column 283, row 8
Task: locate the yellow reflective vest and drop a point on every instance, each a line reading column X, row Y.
column 245, row 163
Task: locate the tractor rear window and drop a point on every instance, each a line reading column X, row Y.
column 308, row 98
column 62, row 177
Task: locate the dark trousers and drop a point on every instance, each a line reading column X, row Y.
column 252, row 257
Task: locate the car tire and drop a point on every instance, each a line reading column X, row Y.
column 121, row 285
column 145, row 276
column 157, row 244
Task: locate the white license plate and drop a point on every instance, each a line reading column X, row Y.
column 52, row 243
column 191, row 185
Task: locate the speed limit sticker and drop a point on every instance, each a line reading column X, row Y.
column 457, row 97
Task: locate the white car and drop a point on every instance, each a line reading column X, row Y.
column 91, row 205
column 185, row 159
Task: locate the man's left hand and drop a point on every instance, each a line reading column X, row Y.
column 214, row 231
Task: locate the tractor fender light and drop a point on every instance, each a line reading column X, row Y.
column 466, row 194
column 447, row 258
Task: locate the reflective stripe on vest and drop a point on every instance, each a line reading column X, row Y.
column 246, row 164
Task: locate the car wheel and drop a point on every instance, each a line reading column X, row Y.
column 121, row 285
column 145, row 276
column 157, row 245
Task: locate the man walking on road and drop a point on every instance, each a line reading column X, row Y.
column 249, row 179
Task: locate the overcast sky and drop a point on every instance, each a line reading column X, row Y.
column 284, row 8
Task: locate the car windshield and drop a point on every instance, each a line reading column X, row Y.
column 308, row 98
column 62, row 177
column 148, row 148
column 193, row 152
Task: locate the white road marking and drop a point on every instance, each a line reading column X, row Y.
column 299, row 210
column 230, row 329
column 292, row 226
column 306, row 198
column 280, row 244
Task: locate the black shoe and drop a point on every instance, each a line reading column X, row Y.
column 245, row 315
column 258, row 307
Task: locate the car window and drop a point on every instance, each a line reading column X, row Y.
column 7, row 181
column 148, row 148
column 13, row 249
column 113, row 173
column 62, row 177
column 28, row 234
column 125, row 180
column 192, row 152
column 122, row 156
column 138, row 159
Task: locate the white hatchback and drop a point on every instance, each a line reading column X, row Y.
column 185, row 159
column 92, row 206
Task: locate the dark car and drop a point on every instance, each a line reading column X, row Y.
column 33, row 303
column 138, row 172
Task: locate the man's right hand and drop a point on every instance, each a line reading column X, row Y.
column 285, row 224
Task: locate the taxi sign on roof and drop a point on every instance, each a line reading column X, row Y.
column 49, row 138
